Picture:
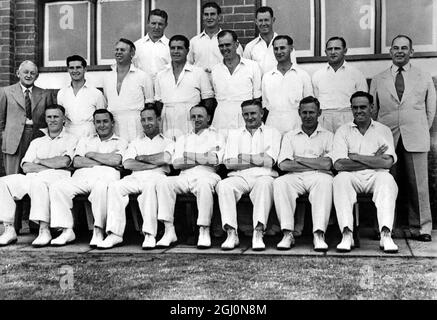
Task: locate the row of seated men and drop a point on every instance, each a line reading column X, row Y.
column 361, row 151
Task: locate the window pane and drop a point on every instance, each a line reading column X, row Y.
column 352, row 20
column 296, row 19
column 66, row 32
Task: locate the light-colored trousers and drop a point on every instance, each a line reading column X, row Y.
column 143, row 183
column 383, row 186
column 231, row 189
column 332, row 119
column 202, row 185
column 287, row 188
column 36, row 185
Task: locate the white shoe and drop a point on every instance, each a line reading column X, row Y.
column 287, row 241
column 149, row 242
column 9, row 236
column 168, row 238
column 43, row 239
column 232, row 240
column 204, row 240
column 67, row 236
column 347, row 243
column 257, row 240
column 97, row 237
column 319, row 242
column 111, row 241
column 387, row 244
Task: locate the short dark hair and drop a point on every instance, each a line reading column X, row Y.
column 343, row 42
column 362, row 94
column 179, row 37
column 252, row 102
column 283, row 37
column 310, row 99
column 200, row 105
column 55, row 106
column 263, row 10
column 403, row 36
column 212, row 5
column 76, row 57
column 152, row 106
column 103, row 111
column 159, row 13
column 223, row 33
column 128, row 42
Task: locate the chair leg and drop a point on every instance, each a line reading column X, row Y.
column 356, row 233
column 89, row 215
column 300, row 219
column 135, row 212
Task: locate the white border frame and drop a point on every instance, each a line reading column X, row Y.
column 101, row 61
column 57, row 63
column 417, row 48
column 199, row 14
column 350, row 51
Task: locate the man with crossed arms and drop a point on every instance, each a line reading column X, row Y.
column 45, row 162
column 148, row 157
column 197, row 154
column 96, row 159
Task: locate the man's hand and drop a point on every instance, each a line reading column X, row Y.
column 381, row 150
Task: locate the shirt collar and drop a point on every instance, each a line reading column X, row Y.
column 318, row 130
column 158, row 136
column 131, row 69
column 354, row 125
column 23, row 88
column 204, row 34
column 113, row 137
column 163, row 39
column 84, row 85
column 343, row 66
column 260, row 128
column 293, row 67
column 259, row 38
column 46, row 133
column 394, row 68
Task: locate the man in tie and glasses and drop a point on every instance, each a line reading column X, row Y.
column 405, row 98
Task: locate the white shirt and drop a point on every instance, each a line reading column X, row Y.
column 146, row 146
column 265, row 140
column 243, row 84
column 334, row 89
column 135, row 91
column 209, row 140
column 204, row 51
column 283, row 92
column 45, row 147
column 258, row 51
column 150, row 56
column 405, row 74
column 348, row 139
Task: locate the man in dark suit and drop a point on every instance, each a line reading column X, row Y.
column 22, row 108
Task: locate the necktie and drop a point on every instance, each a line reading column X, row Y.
column 28, row 104
column 399, row 83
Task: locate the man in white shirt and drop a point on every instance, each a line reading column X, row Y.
column 251, row 152
column 148, row 157
column 197, row 154
column 305, row 156
column 234, row 80
column 44, row 163
column 335, row 83
column 96, row 160
column 79, row 100
column 363, row 153
column 283, row 87
column 260, row 49
column 127, row 89
column 152, row 53
column 179, row 87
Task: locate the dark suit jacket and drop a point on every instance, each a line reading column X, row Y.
column 13, row 114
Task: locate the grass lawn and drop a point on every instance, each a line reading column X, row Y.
column 28, row 275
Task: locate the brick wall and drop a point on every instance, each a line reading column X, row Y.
column 7, row 41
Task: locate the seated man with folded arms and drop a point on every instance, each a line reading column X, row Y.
column 96, row 160
column 198, row 155
column 251, row 151
column 363, row 153
column 45, row 162
column 304, row 155
column 148, row 157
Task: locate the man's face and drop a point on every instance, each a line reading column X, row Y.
column 123, row 53
column 309, row 114
column 264, row 21
column 252, row 115
column 228, row 47
column 156, row 26
column 361, row 109
column 199, row 118
column 210, row 17
column 103, row 124
column 178, row 52
column 76, row 70
column 335, row 52
column 401, row 52
column 55, row 119
column 150, row 122
column 27, row 75
column 282, row 50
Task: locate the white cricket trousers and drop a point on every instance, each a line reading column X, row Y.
column 287, row 188
column 381, row 184
column 230, row 191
